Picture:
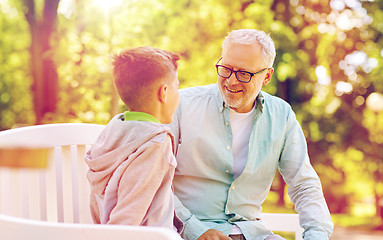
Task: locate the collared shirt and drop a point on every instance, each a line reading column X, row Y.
column 210, row 197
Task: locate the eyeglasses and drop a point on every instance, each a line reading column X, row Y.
column 242, row 76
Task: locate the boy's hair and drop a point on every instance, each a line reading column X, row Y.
column 252, row 36
column 136, row 72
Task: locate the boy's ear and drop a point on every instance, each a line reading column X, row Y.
column 163, row 93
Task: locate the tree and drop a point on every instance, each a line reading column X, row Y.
column 43, row 68
column 15, row 81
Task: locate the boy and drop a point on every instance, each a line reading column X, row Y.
column 132, row 162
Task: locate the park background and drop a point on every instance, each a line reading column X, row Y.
column 55, row 67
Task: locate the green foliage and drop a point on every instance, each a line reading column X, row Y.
column 15, row 79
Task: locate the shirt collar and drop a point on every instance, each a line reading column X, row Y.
column 222, row 105
column 260, row 101
column 139, row 116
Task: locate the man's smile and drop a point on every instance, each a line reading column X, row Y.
column 232, row 90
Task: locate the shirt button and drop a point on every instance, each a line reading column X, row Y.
column 227, row 123
column 228, row 147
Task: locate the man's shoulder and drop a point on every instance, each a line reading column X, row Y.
column 273, row 101
column 275, row 105
column 198, row 91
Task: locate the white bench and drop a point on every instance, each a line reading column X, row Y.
column 284, row 222
column 15, row 228
column 60, row 192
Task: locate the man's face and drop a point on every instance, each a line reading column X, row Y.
column 237, row 95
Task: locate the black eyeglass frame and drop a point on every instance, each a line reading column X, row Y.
column 235, row 72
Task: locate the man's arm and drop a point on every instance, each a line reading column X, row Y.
column 305, row 189
column 194, row 228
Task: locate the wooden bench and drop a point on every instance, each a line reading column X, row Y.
column 59, row 193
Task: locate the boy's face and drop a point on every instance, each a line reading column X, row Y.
column 173, row 97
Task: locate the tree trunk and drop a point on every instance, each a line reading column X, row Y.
column 284, row 93
column 378, row 195
column 44, row 71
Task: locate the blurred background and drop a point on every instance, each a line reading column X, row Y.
column 55, row 66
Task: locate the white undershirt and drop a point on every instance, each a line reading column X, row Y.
column 241, row 128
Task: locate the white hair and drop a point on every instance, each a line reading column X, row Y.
column 252, row 36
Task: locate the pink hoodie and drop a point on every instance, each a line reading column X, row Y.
column 131, row 171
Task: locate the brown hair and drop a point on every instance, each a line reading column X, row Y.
column 137, row 70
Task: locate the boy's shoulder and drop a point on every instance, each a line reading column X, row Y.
column 120, row 131
column 143, row 127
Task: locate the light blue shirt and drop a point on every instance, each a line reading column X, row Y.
column 210, row 197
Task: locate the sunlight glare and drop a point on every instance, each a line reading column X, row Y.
column 356, row 58
column 66, row 8
column 337, row 5
column 7, row 9
column 375, row 101
column 106, row 4
column 323, row 77
column 342, row 87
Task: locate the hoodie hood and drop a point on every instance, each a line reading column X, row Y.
column 115, row 144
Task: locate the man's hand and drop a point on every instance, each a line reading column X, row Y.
column 213, row 234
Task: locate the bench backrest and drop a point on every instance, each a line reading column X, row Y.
column 58, row 193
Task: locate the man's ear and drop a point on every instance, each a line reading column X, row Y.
column 267, row 79
column 163, row 93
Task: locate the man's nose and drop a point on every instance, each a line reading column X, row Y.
column 232, row 79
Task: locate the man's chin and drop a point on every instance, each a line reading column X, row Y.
column 232, row 104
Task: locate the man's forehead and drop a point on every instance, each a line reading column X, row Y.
column 242, row 56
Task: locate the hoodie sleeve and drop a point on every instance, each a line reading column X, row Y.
column 144, row 191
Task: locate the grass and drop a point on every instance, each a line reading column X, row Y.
column 365, row 223
column 286, row 235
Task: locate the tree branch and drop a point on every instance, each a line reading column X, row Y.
column 29, row 12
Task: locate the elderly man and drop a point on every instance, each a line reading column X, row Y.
column 232, row 137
